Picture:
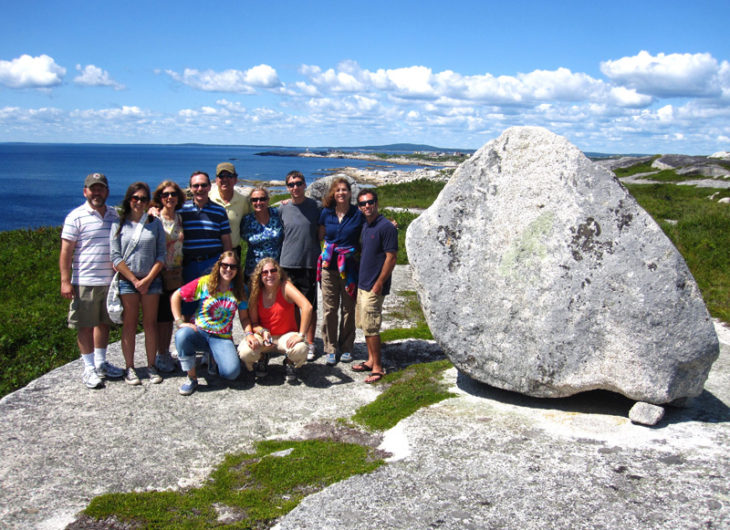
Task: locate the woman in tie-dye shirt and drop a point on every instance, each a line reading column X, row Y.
column 220, row 293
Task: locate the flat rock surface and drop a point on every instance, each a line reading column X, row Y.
column 483, row 459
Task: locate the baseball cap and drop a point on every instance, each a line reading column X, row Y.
column 225, row 166
column 95, row 178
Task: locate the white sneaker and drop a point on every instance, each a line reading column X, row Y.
column 311, row 353
column 90, row 378
column 107, row 370
column 131, row 377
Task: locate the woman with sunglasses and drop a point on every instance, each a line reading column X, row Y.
column 262, row 230
column 167, row 200
column 274, row 325
column 139, row 266
column 220, row 294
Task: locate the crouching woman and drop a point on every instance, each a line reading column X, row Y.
column 220, row 294
column 273, row 321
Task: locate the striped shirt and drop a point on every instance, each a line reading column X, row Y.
column 203, row 228
column 90, row 232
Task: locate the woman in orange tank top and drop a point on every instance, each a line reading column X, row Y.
column 271, row 308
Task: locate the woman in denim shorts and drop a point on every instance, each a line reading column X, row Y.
column 139, row 282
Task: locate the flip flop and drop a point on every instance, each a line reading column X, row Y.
column 374, row 377
column 361, row 367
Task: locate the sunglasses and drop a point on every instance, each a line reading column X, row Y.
column 369, row 202
column 139, row 198
column 196, row 186
column 294, row 184
column 168, row 194
column 231, row 266
column 259, row 199
column 266, row 272
column 226, row 176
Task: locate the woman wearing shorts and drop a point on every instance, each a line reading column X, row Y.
column 139, row 283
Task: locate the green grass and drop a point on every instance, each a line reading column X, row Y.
column 34, row 337
column 416, row 194
column 257, row 487
column 417, row 386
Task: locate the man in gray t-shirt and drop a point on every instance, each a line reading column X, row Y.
column 300, row 249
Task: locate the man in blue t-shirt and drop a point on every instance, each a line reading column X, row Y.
column 379, row 250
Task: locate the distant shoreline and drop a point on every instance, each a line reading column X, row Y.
column 430, row 159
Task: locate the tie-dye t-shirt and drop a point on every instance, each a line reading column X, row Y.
column 215, row 313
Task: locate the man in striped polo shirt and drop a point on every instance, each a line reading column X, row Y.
column 207, row 233
column 86, row 272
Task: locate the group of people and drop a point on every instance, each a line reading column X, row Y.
column 180, row 262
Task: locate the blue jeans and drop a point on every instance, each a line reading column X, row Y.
column 188, row 341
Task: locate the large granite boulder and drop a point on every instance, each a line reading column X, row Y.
column 539, row 273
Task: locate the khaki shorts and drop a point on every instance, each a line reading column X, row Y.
column 369, row 312
column 88, row 307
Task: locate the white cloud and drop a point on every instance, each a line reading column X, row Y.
column 94, row 76
column 672, row 75
column 262, row 76
column 31, row 72
column 245, row 82
column 420, row 82
column 125, row 112
column 629, row 97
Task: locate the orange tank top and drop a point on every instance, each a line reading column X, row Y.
column 279, row 318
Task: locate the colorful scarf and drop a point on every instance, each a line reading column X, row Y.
column 347, row 267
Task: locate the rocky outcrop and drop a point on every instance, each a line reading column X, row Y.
column 539, row 273
column 622, row 162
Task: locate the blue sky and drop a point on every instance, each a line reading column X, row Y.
column 618, row 76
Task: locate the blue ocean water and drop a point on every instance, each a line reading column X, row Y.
column 43, row 182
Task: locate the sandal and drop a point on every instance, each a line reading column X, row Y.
column 361, row 367
column 374, row 377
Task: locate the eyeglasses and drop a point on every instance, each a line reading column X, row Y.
column 231, row 266
column 196, row 186
column 259, row 199
column 139, row 198
column 266, row 272
column 295, row 184
column 168, row 194
column 226, row 175
column 369, row 202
